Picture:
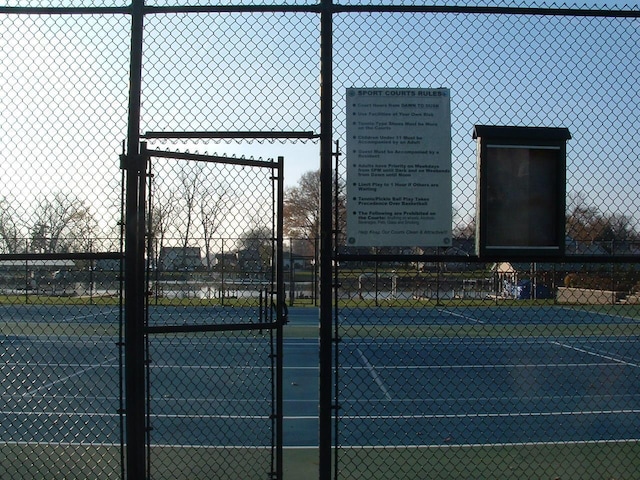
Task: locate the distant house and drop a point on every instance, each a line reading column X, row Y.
column 250, row 260
column 107, row 265
column 180, row 258
column 17, row 273
column 577, row 249
column 299, row 261
column 226, row 261
column 625, row 248
column 574, row 247
column 36, row 264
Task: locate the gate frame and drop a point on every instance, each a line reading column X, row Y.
column 136, row 329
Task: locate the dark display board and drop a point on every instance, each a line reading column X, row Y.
column 521, row 191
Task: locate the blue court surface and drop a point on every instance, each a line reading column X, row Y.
column 451, row 390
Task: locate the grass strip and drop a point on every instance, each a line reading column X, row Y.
column 42, row 461
column 619, row 460
column 565, row 461
column 489, row 331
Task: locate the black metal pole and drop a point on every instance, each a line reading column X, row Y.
column 326, row 237
column 27, row 283
column 280, row 321
column 376, row 284
column 134, row 307
column 134, row 295
column 316, row 270
column 222, row 266
column 336, row 326
column 292, row 292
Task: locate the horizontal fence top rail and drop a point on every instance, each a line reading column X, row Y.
column 231, row 135
column 385, row 257
column 632, row 11
column 25, row 257
column 212, row 158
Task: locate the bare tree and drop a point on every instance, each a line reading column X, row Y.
column 582, row 219
column 9, row 231
column 61, row 223
column 466, row 228
column 621, row 228
column 212, row 203
column 255, row 249
column 190, row 180
column 85, row 232
column 302, row 207
column 164, row 208
column 586, row 223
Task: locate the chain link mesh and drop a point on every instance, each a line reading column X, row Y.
column 231, row 72
column 211, row 393
column 446, row 369
column 511, row 369
column 63, row 113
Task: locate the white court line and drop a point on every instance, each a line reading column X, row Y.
column 53, row 413
column 69, row 317
column 58, row 365
column 489, row 366
column 491, row 415
column 31, row 392
column 154, row 366
column 63, row 444
column 232, row 417
column 465, row 317
column 89, row 366
column 102, row 313
column 450, row 446
column 177, row 446
column 376, row 378
column 394, row 447
column 529, row 398
column 222, row 400
column 165, row 400
column 80, row 340
column 596, row 354
column 344, row 417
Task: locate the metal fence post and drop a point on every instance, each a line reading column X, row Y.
column 326, row 238
column 135, row 430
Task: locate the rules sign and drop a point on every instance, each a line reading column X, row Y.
column 398, row 167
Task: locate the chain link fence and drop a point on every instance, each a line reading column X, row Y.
column 510, row 369
column 64, row 97
column 446, row 366
column 212, row 347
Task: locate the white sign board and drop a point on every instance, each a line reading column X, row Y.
column 398, row 167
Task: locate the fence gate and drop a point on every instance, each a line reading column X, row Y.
column 204, row 315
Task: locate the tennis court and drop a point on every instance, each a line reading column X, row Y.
column 403, row 390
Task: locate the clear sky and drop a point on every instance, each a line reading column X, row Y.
column 65, row 84
column 578, row 73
